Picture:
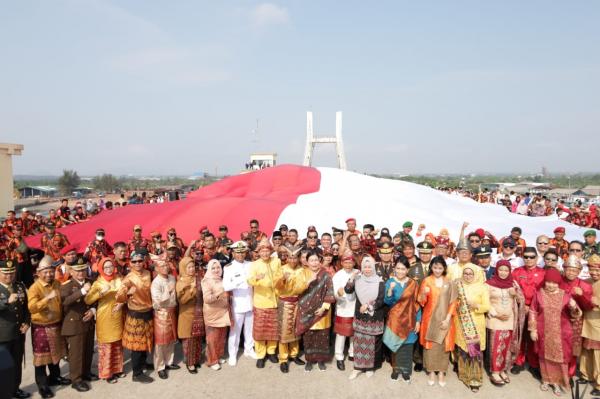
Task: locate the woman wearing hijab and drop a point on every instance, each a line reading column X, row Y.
column 404, row 319
column 505, row 321
column 314, row 312
column 109, row 321
column 469, row 321
column 550, row 315
column 216, row 314
column 190, row 322
column 438, row 299
column 368, row 321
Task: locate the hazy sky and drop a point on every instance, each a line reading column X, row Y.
column 155, row 87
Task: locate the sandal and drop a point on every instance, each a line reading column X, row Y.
column 505, row 378
column 474, row 389
column 544, row 386
column 496, row 382
column 556, row 390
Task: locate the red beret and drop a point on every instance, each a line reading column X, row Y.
column 202, row 228
column 480, row 233
column 559, row 230
column 68, row 249
column 350, row 220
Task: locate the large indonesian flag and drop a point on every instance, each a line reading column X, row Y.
column 302, row 196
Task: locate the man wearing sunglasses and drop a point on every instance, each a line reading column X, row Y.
column 551, row 259
column 520, row 244
column 576, row 250
column 508, row 253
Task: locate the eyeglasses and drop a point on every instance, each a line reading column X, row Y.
column 575, row 250
column 529, row 256
column 254, row 227
column 474, row 241
column 550, row 259
column 543, row 243
column 312, row 237
column 507, row 246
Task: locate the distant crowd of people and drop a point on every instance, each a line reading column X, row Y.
column 585, row 215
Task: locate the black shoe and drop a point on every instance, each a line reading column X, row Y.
column 582, row 381
column 298, row 361
column 173, row 367
column 91, row 377
column 143, row 378
column 192, row 370
column 59, row 381
column 308, row 366
column 20, row 394
column 273, row 358
column 121, row 375
column 198, row 365
column 113, row 379
column 260, row 363
column 535, row 372
column 46, row 392
column 418, row 367
column 149, row 367
column 516, row 369
column 81, row 386
column 595, row 392
column 284, row 367
column 162, row 374
column 351, row 358
column 395, row 375
column 321, row 366
column 340, row 365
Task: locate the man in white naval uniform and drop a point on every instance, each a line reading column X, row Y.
column 235, row 277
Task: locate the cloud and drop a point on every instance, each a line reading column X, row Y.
column 266, row 14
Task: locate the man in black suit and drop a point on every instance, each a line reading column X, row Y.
column 14, row 322
column 78, row 326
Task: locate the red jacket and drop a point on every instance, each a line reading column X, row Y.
column 585, row 299
column 530, row 280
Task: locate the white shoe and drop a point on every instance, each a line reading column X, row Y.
column 251, row 355
column 442, row 383
column 216, row 367
column 354, row 374
column 369, row 374
column 222, row 361
column 232, row 361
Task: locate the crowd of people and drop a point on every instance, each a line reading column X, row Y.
column 423, row 303
column 578, row 213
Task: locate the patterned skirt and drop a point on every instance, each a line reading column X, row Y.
column 555, row 373
column 192, row 350
column 138, row 334
column 110, row 359
column 470, row 369
column 215, row 344
column 367, row 351
column 266, row 326
column 499, row 346
column 316, row 345
column 286, row 314
column 48, row 345
column 165, row 326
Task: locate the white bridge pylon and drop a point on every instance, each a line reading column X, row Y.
column 311, row 141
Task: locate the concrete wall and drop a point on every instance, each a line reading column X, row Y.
column 6, row 175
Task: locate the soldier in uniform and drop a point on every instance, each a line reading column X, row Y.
column 223, row 240
column 62, row 273
column 385, row 267
column 14, row 322
column 483, row 255
column 420, row 269
column 78, row 326
column 590, row 247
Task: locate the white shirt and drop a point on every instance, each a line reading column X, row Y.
column 235, row 277
column 346, row 303
column 514, row 260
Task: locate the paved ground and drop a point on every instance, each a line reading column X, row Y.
column 246, row 381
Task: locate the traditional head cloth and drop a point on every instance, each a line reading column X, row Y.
column 210, row 275
column 183, row 264
column 573, row 261
column 497, row 281
column 367, row 287
column 594, row 261
column 45, row 263
column 441, row 241
column 264, row 243
column 553, row 275
column 106, row 277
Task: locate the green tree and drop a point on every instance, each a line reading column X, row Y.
column 106, row 182
column 69, row 181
